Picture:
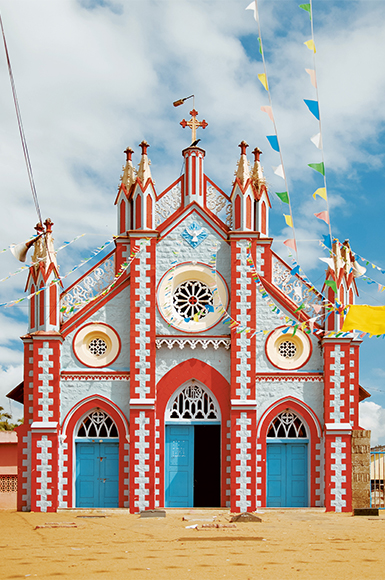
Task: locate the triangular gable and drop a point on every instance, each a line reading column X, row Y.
column 180, row 215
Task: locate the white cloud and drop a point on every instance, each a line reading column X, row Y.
column 372, row 416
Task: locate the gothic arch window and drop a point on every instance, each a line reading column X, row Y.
column 193, row 403
column 97, row 424
column 287, row 425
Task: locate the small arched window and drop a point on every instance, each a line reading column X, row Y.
column 287, row 425
column 193, row 403
column 97, row 424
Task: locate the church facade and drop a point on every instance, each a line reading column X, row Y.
column 190, row 366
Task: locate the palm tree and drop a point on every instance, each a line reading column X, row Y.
column 5, row 424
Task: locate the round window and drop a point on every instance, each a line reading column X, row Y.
column 96, row 345
column 192, row 298
column 288, row 351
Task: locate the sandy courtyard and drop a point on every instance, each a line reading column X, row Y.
column 115, row 544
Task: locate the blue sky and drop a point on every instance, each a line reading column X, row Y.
column 96, row 76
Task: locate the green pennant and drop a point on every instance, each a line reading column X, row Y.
column 299, row 308
column 260, row 45
column 295, row 329
column 320, row 167
column 307, row 8
column 283, row 196
column 332, row 285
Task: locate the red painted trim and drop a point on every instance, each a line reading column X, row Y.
column 217, row 384
column 41, row 305
column 122, row 217
column 90, row 324
column 138, row 211
column 70, row 422
column 180, row 214
column 158, row 197
column 52, row 304
column 314, row 426
column 194, row 174
column 248, row 212
column 237, row 212
column 263, row 218
column 288, row 335
column 214, row 185
column 149, row 212
column 88, row 272
column 33, row 309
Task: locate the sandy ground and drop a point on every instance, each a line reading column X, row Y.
column 107, row 544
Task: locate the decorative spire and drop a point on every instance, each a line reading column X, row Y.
column 144, row 172
column 243, row 171
column 129, row 172
column 193, row 124
column 257, row 176
column 44, row 250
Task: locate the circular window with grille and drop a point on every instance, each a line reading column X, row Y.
column 96, row 345
column 286, row 350
column 191, row 298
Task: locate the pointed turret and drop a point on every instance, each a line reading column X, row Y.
column 262, row 202
column 144, row 172
column 129, row 171
column 243, row 171
column 44, row 302
column 124, row 192
column 242, row 195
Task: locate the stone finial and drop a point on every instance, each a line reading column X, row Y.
column 257, row 175
column 129, row 173
column 144, row 172
column 243, row 171
column 44, row 250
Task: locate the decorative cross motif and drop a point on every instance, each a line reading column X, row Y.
column 193, row 124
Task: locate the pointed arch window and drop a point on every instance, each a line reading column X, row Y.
column 193, row 403
column 97, row 424
column 287, row 425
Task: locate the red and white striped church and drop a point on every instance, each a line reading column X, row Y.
column 184, row 384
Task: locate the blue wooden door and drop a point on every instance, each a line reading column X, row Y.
column 287, row 475
column 179, row 475
column 97, row 475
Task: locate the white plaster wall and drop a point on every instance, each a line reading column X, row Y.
column 115, row 313
column 74, row 391
column 268, row 320
column 166, row 359
column 310, row 392
column 202, row 253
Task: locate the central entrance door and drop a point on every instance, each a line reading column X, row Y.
column 192, row 449
column 97, row 462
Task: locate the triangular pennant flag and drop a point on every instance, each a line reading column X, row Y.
column 317, row 140
column 332, row 285
column 320, row 167
column 196, row 317
column 263, row 79
column 323, row 215
column 260, row 45
column 321, row 191
column 283, row 196
column 291, row 244
column 267, row 109
column 310, row 44
column 289, row 220
column 326, row 241
column 273, row 140
column 328, row 261
column 313, row 107
column 293, row 272
column 253, row 6
column 317, row 308
column 279, row 171
column 307, row 8
column 313, row 78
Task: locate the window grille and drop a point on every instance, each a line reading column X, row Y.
column 193, row 298
column 193, row 403
column 97, row 347
column 97, row 424
column 287, row 349
column 285, row 425
column 8, row 483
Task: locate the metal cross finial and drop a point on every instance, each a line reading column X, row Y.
column 194, row 124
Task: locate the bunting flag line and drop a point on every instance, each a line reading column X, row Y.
column 307, row 8
column 283, row 196
column 332, row 284
column 279, row 171
column 288, row 220
column 291, row 244
column 253, row 6
column 369, row 319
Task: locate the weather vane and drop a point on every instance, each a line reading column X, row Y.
column 193, row 123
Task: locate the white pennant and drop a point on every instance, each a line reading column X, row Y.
column 253, row 6
column 279, row 171
column 317, row 140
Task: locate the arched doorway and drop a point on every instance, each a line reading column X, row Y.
column 97, row 461
column 192, row 448
column 287, row 470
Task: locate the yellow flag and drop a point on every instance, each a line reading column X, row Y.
column 263, row 79
column 288, row 220
column 321, row 191
column 310, row 44
column 370, row 319
column 196, row 318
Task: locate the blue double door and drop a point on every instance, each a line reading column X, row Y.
column 287, row 474
column 97, row 474
column 192, row 466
